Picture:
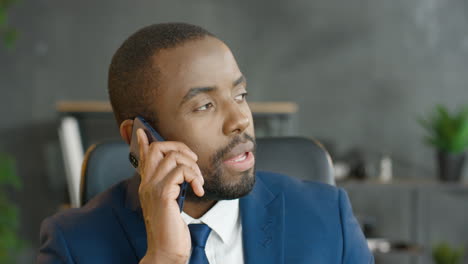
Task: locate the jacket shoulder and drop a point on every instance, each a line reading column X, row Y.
column 91, row 217
column 300, row 189
column 321, row 214
column 91, row 234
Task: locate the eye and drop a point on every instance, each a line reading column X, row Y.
column 241, row 97
column 204, row 107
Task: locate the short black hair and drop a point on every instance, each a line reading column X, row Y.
column 132, row 79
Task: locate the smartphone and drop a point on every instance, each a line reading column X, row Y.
column 153, row 136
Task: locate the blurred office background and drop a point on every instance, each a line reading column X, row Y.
column 361, row 73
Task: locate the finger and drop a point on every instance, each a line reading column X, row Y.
column 152, row 161
column 155, row 156
column 143, row 147
column 157, row 151
column 183, row 173
column 167, row 146
column 171, row 161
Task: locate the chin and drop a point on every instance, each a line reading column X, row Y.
column 233, row 177
column 226, row 186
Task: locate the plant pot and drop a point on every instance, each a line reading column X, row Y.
column 450, row 165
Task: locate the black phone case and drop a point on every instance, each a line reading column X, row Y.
column 134, row 154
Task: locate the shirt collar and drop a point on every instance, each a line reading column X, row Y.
column 222, row 218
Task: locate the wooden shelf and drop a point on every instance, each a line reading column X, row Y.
column 410, row 182
column 105, row 107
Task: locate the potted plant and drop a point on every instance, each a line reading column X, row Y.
column 10, row 244
column 444, row 254
column 8, row 33
column 448, row 133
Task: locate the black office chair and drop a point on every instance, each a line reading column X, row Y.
column 107, row 163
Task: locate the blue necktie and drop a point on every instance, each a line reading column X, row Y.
column 199, row 234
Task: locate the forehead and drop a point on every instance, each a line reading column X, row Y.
column 198, row 63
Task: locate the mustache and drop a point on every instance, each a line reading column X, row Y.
column 220, row 154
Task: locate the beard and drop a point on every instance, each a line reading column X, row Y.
column 219, row 183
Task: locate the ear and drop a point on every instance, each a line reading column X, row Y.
column 126, row 128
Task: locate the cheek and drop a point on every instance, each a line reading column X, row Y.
column 201, row 139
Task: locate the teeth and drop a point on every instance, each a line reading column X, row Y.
column 243, row 157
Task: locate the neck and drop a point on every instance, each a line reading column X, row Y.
column 197, row 209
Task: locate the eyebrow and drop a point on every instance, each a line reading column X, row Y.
column 198, row 90
column 195, row 91
column 239, row 81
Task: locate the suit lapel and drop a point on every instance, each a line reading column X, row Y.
column 262, row 214
column 131, row 218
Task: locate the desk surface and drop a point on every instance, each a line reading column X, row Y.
column 105, row 107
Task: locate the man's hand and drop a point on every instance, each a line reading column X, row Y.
column 163, row 167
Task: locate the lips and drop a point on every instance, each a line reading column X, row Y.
column 241, row 158
column 238, row 151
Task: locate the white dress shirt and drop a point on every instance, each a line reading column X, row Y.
column 224, row 244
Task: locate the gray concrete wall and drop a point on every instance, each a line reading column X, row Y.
column 360, row 70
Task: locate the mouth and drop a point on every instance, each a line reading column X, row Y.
column 241, row 157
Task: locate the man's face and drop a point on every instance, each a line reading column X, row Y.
column 201, row 102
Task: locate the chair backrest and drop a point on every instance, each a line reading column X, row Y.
column 107, row 163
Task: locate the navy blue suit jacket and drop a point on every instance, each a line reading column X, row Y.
column 284, row 220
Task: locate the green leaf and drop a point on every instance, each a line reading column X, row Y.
column 5, row 4
column 10, row 37
column 7, row 172
column 8, row 34
column 9, row 218
column 10, row 243
column 3, row 18
column 446, row 131
column 460, row 140
column 445, row 254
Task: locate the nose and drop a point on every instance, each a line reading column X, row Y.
column 236, row 120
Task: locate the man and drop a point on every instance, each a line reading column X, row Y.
column 186, row 83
